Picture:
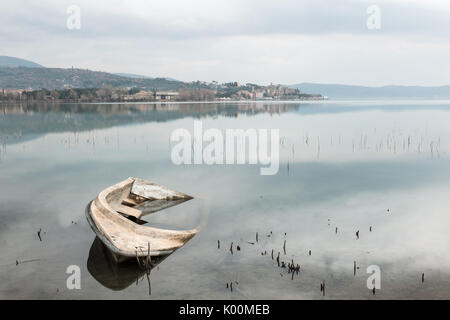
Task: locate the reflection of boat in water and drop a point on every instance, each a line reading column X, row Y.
column 102, row 266
column 115, row 216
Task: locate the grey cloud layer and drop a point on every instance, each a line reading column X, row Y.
column 259, row 41
column 171, row 19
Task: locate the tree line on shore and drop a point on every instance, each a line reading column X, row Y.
column 105, row 94
column 110, row 94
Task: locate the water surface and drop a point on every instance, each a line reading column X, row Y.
column 345, row 165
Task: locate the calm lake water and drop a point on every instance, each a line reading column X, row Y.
column 348, row 165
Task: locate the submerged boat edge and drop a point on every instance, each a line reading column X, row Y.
column 119, row 255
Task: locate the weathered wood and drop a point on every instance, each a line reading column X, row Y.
column 125, row 238
column 129, row 211
column 153, row 191
column 152, row 206
column 129, row 201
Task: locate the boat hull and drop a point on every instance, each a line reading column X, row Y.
column 118, row 255
column 125, row 238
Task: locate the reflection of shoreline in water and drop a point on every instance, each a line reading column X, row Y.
column 108, row 273
column 124, row 108
column 20, row 122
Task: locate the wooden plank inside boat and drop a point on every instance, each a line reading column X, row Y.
column 129, row 211
column 152, row 206
column 129, row 202
column 154, row 191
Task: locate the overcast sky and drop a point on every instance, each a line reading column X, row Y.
column 280, row 41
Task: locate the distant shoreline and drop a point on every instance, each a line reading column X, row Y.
column 327, row 100
column 4, row 102
column 135, row 95
column 120, row 95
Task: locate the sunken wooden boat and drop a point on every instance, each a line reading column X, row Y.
column 115, row 217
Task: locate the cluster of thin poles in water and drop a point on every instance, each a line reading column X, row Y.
column 394, row 143
column 287, row 263
column 292, row 268
column 312, row 146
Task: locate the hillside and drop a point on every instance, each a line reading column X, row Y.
column 338, row 91
column 22, row 80
column 57, row 78
column 132, row 75
column 12, row 62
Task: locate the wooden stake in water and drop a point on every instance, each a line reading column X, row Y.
column 324, row 288
column 149, row 257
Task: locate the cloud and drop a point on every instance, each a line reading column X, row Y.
column 205, row 18
column 261, row 41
